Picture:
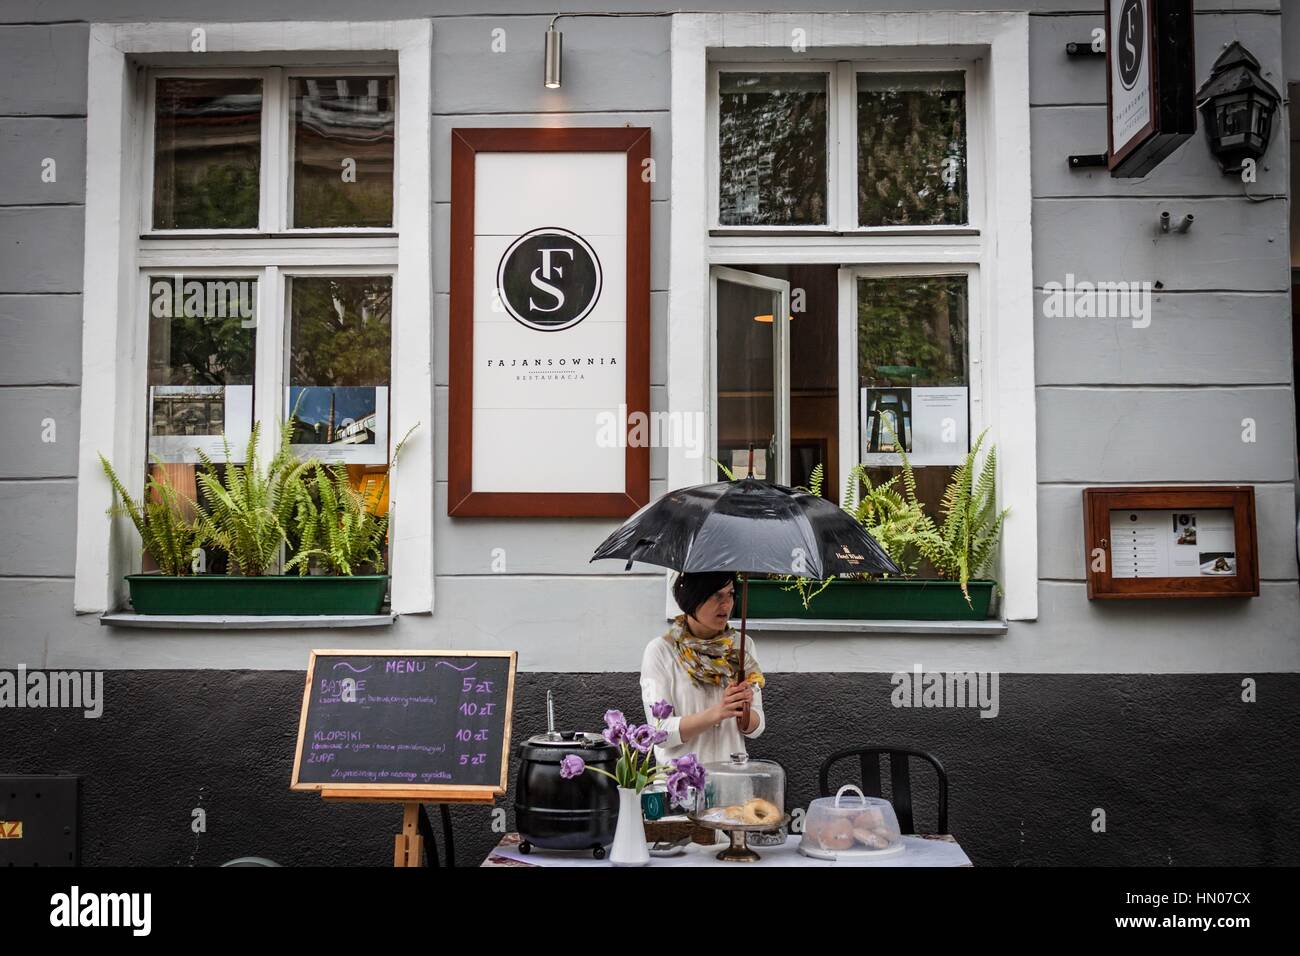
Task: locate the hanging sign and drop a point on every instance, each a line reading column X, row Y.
column 1150, row 82
column 550, row 300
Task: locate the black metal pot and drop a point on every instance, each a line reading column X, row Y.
column 559, row 814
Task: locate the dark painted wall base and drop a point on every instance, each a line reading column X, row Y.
column 1186, row 773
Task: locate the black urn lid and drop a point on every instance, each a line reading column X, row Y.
column 554, row 746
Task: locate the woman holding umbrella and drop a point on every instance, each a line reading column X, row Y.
column 693, row 667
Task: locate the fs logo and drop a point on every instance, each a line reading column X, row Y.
column 1132, row 30
column 549, row 279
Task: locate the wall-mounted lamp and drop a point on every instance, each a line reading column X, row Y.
column 554, row 41
column 767, row 318
column 554, row 53
column 1237, row 106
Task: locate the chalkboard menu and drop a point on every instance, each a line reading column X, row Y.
column 406, row 721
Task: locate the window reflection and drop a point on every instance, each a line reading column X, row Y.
column 207, row 153
column 343, row 151
column 772, row 132
column 340, row 341
column 911, row 149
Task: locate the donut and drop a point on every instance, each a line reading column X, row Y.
column 760, row 812
column 869, row 819
column 732, row 814
column 836, row 834
column 871, row 839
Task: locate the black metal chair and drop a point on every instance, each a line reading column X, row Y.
column 900, row 779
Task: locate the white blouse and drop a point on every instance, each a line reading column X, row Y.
column 662, row 678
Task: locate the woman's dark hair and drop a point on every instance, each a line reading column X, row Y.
column 692, row 590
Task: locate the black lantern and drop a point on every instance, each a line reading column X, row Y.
column 1237, row 106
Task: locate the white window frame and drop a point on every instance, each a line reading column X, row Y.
column 995, row 248
column 121, row 246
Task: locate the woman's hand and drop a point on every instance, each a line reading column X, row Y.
column 735, row 699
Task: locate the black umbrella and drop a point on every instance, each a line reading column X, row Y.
column 751, row 527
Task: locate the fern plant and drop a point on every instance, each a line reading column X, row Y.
column 162, row 518
column 963, row 545
column 893, row 518
column 335, row 524
column 246, row 512
column 889, row 517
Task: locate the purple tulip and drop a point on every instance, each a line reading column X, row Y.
column 691, row 769
column 571, row 766
column 615, row 719
column 677, row 784
column 660, row 736
column 615, row 736
column 661, row 709
column 642, row 737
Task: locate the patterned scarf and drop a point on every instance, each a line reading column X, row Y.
column 711, row 660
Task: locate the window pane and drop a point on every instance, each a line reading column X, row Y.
column 746, row 410
column 202, row 332
column 343, row 151
column 911, row 149
column 812, row 329
column 340, row 342
column 201, row 352
column 207, row 153
column 772, row 148
column 912, row 378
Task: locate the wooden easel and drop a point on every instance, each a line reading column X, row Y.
column 409, row 844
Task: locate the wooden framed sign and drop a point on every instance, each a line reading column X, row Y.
column 1171, row 542
column 432, row 726
column 1150, row 82
column 550, row 322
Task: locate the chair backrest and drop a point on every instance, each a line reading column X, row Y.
column 900, row 779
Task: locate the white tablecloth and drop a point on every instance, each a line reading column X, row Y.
column 918, row 851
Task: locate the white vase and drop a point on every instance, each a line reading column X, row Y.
column 629, row 847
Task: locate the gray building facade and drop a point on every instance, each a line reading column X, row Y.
column 1137, row 708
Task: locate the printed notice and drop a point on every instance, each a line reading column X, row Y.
column 931, row 424
column 1172, row 544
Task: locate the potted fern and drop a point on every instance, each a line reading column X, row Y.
column 959, row 548
column 253, row 514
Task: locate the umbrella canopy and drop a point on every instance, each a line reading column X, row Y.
column 747, row 526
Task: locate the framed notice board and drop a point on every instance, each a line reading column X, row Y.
column 1171, row 542
column 406, row 725
column 550, row 322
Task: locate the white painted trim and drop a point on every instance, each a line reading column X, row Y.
column 1003, row 252
column 412, row 383
column 113, row 338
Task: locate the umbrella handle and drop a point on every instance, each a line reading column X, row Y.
column 743, row 719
